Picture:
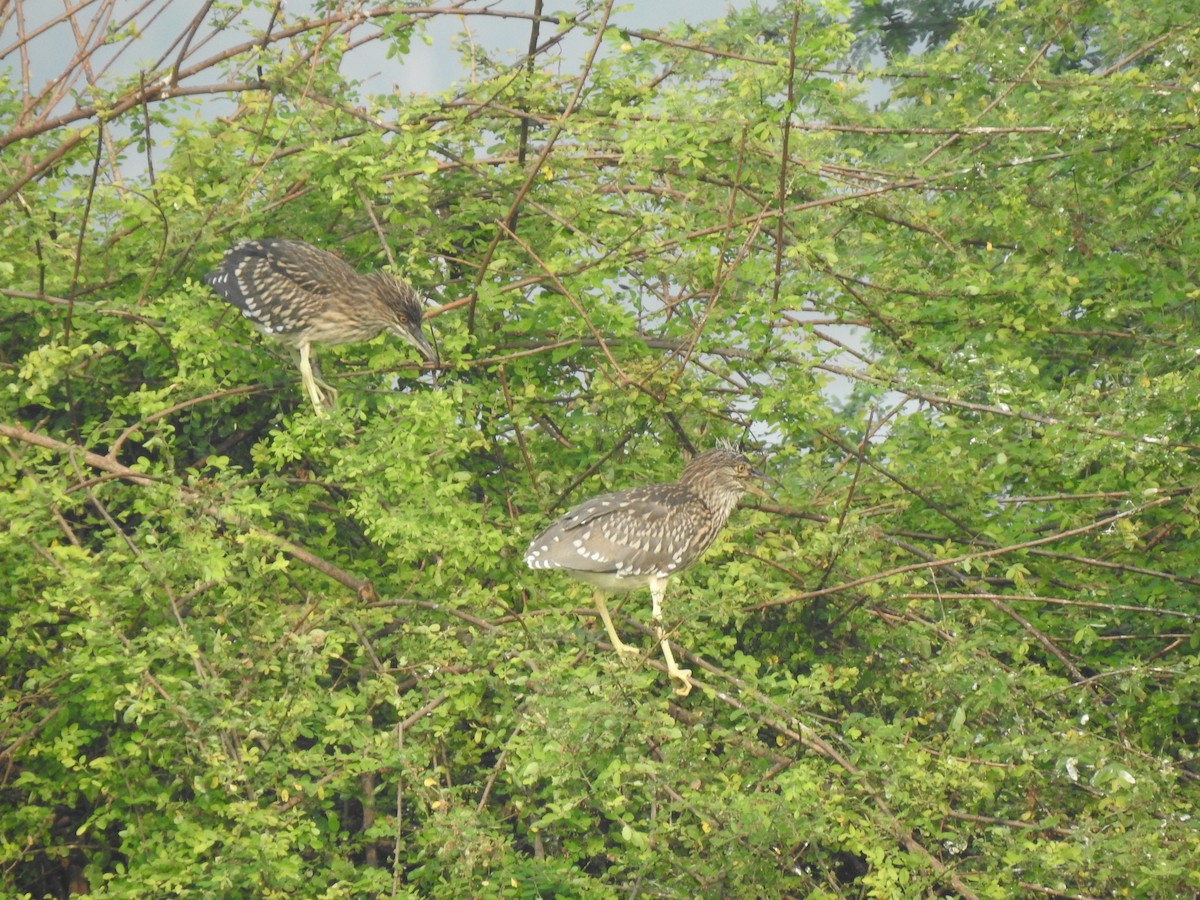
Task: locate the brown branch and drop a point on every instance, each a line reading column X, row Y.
column 116, row 445
column 782, row 182
column 531, row 175
column 937, row 400
column 361, row 586
column 434, row 606
column 1140, row 51
column 622, row 378
column 1050, row 601
column 804, row 736
column 957, row 560
column 999, row 98
column 1048, row 645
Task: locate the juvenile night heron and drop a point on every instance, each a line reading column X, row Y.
column 642, row 536
column 301, row 296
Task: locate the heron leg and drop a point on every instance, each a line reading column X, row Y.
column 329, row 392
column 658, row 587
column 622, row 648
column 321, row 394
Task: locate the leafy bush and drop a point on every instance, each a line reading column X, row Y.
column 248, row 650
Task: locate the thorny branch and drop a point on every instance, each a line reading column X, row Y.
column 362, row 587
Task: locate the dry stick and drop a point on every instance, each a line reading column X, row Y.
column 49, row 161
column 47, row 298
column 1058, row 498
column 1039, row 636
column 199, row 662
column 116, row 445
column 1056, row 830
column 367, row 790
column 156, row 205
column 884, row 324
column 397, row 854
column 859, row 457
column 534, row 30
column 113, row 25
column 361, row 586
column 178, row 710
column 6, row 12
column 158, row 91
column 57, row 89
column 675, row 345
column 1050, row 601
column 1119, row 567
column 55, row 512
column 85, row 54
column 551, row 140
column 325, row 779
column 500, row 761
column 760, row 217
column 671, row 243
column 6, row 753
column 1054, row 892
column 68, row 321
column 807, row 737
column 383, row 241
column 502, row 228
column 818, row 70
column 433, row 605
column 1037, row 57
column 502, row 377
column 1140, row 51
column 966, row 557
column 189, row 35
column 203, row 668
column 899, row 482
column 724, row 273
column 367, row 779
column 844, row 171
column 938, row 400
column 781, row 187
column 594, row 467
column 168, row 87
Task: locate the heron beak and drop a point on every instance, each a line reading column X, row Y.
column 417, row 339
column 753, row 487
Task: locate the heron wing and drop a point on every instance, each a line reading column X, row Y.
column 279, row 285
column 643, row 531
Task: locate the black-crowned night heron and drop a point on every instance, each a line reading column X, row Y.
column 301, row 296
column 642, row 536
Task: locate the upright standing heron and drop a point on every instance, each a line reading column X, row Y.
column 642, row 536
column 301, row 295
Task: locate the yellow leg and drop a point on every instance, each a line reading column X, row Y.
column 622, row 648
column 328, row 392
column 322, row 395
column 658, row 588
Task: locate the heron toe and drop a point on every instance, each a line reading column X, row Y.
column 684, row 679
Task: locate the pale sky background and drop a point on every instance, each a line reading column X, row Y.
column 429, row 68
column 433, row 64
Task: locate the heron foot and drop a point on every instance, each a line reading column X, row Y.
column 683, row 677
column 628, row 653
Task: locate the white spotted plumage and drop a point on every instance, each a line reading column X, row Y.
column 622, row 540
column 302, row 295
column 641, row 536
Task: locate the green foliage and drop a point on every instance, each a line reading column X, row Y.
column 247, row 650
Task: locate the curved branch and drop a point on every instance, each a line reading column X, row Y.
column 361, row 586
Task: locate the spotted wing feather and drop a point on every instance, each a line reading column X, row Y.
column 643, row 531
column 278, row 285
